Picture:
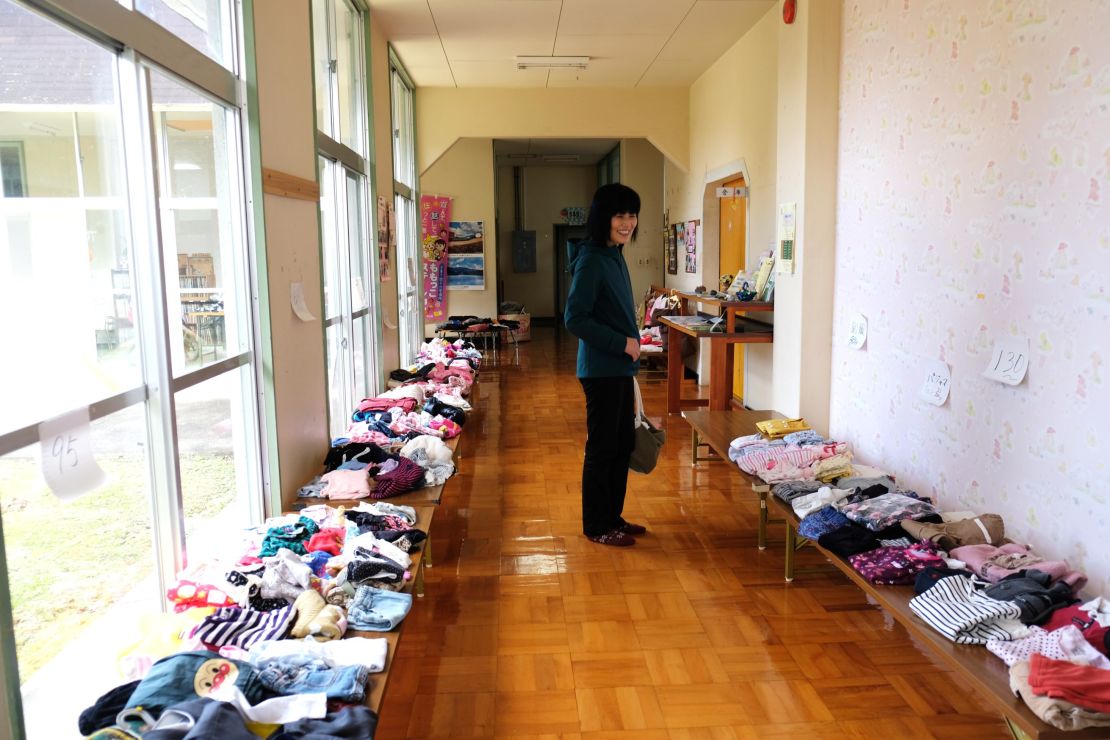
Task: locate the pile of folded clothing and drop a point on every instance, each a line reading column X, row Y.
column 255, row 638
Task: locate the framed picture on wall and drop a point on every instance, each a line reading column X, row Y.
column 466, row 259
column 671, row 247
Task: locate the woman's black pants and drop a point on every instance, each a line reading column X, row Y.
column 610, row 407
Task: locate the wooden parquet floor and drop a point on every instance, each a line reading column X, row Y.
column 529, row 630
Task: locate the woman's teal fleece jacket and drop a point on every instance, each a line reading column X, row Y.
column 600, row 310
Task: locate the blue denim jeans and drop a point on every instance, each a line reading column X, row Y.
column 376, row 610
column 305, row 675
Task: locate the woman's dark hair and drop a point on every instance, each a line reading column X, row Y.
column 609, row 200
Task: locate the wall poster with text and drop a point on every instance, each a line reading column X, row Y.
column 466, row 261
column 672, row 250
column 690, row 233
column 383, row 240
column 435, row 215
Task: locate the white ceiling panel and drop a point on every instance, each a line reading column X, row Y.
column 403, row 17
column 634, row 48
column 473, row 43
column 673, row 73
column 419, row 51
column 431, row 76
column 601, row 73
column 711, row 27
column 606, row 17
column 495, row 29
column 496, row 74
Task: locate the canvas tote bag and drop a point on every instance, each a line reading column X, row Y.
column 649, row 440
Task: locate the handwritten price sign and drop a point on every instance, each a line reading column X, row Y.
column 68, row 464
column 1009, row 360
column 938, row 380
column 857, row 331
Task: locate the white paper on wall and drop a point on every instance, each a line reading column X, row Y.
column 296, row 298
column 1009, row 360
column 68, row 464
column 938, row 379
column 857, row 331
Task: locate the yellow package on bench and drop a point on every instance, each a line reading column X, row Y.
column 775, row 428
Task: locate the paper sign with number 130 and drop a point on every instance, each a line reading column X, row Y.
column 1009, row 360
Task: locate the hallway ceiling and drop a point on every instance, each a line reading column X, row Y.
column 631, row 43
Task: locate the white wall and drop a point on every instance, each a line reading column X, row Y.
column 974, row 176
column 733, row 126
column 547, row 190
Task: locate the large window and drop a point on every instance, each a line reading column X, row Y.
column 351, row 303
column 410, row 296
column 126, row 295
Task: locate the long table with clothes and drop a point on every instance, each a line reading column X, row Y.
column 292, row 632
column 952, row 579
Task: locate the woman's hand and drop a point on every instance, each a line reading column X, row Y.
column 632, row 348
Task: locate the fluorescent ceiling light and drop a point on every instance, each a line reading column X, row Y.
column 185, row 166
column 552, row 62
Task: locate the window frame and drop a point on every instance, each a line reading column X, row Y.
column 410, row 289
column 340, row 160
column 141, row 48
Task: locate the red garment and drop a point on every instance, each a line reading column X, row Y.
column 1091, row 629
column 329, row 540
column 1082, row 685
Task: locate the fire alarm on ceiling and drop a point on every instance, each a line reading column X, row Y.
column 789, row 10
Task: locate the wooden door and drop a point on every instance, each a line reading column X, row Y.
column 733, row 258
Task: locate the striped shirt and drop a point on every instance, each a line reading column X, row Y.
column 957, row 610
column 244, row 627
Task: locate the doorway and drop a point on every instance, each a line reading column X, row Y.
column 733, row 258
column 564, row 235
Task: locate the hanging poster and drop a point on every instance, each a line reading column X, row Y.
column 672, row 251
column 383, row 240
column 435, row 215
column 690, row 233
column 466, row 261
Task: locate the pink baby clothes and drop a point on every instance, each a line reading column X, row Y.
column 385, row 404
column 346, row 484
column 995, row 563
column 360, row 431
column 1082, row 685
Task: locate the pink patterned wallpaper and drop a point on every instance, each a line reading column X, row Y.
column 974, row 181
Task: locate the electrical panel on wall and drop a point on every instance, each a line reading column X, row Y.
column 787, row 246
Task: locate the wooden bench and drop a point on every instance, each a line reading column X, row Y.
column 985, row 672
column 716, row 430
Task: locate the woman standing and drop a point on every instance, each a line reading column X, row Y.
column 602, row 314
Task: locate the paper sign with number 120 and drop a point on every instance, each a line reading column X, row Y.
column 1009, row 360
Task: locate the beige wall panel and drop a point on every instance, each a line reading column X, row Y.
column 660, row 115
column 383, row 184
column 465, row 173
column 642, row 170
column 292, row 239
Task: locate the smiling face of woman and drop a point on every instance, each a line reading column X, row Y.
column 621, row 227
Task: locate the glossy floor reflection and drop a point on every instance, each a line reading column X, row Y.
column 530, row 630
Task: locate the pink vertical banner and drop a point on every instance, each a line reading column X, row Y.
column 435, row 233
